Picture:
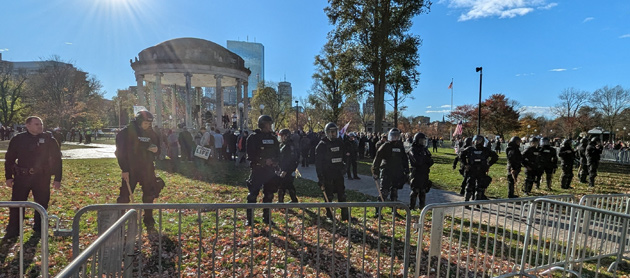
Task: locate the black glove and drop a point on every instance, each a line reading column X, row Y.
column 321, row 186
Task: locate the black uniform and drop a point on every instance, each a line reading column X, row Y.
column 462, row 169
column 478, row 160
column 514, row 162
column 38, row 158
column 421, row 161
column 583, row 171
column 549, row 160
column 392, row 166
column 593, row 155
column 351, row 158
column 329, row 165
column 533, row 165
column 289, row 159
column 132, row 144
column 567, row 157
column 260, row 147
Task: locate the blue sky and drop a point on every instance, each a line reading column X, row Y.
column 530, row 50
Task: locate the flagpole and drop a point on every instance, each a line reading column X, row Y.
column 451, row 133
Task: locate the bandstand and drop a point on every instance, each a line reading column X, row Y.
column 184, row 66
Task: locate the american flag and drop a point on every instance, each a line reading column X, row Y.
column 458, row 129
column 450, row 86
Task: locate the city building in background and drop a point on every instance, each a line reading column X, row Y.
column 285, row 91
column 253, row 54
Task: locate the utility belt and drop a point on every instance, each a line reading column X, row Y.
column 25, row 171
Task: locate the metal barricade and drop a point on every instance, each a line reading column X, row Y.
column 110, row 254
column 480, row 239
column 572, row 239
column 299, row 242
column 618, row 156
column 22, row 206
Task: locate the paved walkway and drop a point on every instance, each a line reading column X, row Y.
column 366, row 185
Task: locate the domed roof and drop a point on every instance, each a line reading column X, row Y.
column 190, row 51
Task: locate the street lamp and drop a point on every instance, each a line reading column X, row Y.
column 240, row 108
column 480, row 71
column 262, row 106
column 297, row 125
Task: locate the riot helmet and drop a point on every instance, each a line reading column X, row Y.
column 284, row 134
column 595, row 140
column 332, row 132
column 144, row 116
column 584, row 141
column 545, row 141
column 567, row 143
column 420, row 139
column 468, row 142
column 479, row 140
column 263, row 120
column 535, row 142
column 394, row 135
column 515, row 141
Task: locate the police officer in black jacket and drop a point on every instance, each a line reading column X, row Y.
column 289, row 159
column 137, row 146
column 581, row 152
column 263, row 151
column 391, row 166
column 38, row 158
column 532, row 163
column 329, row 165
column 514, row 162
column 462, row 170
column 567, row 158
column 421, row 162
column 477, row 160
column 549, row 159
column 593, row 155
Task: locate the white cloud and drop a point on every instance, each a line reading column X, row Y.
column 474, row 9
column 576, row 68
column 4, row 49
column 624, row 36
column 544, row 111
column 68, row 43
column 428, row 106
column 588, row 19
column 558, row 70
column 525, row 74
column 445, row 106
column 438, row 111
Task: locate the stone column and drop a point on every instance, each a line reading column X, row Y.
column 246, row 103
column 219, row 101
column 174, row 105
column 150, row 97
column 198, row 92
column 158, row 99
column 239, row 99
column 188, row 76
column 142, row 97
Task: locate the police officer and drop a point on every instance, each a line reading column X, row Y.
column 391, row 166
column 289, row 159
column 549, row 159
column 38, row 158
column 477, row 160
column 567, row 157
column 329, row 156
column 462, row 170
column 532, row 163
column 137, row 146
column 514, row 162
column 263, row 151
column 421, row 162
column 593, row 155
column 351, row 155
column 581, row 151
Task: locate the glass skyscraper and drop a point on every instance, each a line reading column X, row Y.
column 254, row 55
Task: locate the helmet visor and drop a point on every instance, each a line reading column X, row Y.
column 393, row 136
column 332, row 133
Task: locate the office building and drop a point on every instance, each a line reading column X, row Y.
column 254, row 56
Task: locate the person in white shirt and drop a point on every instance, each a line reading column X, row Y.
column 218, row 143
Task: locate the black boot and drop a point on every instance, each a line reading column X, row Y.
column 293, row 196
column 267, row 216
column 281, row 196
column 250, row 218
column 412, row 203
column 591, row 181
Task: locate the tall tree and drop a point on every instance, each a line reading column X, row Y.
column 276, row 105
column 65, row 96
column 611, row 102
column 375, row 30
column 571, row 100
column 499, row 115
column 334, row 81
column 12, row 87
